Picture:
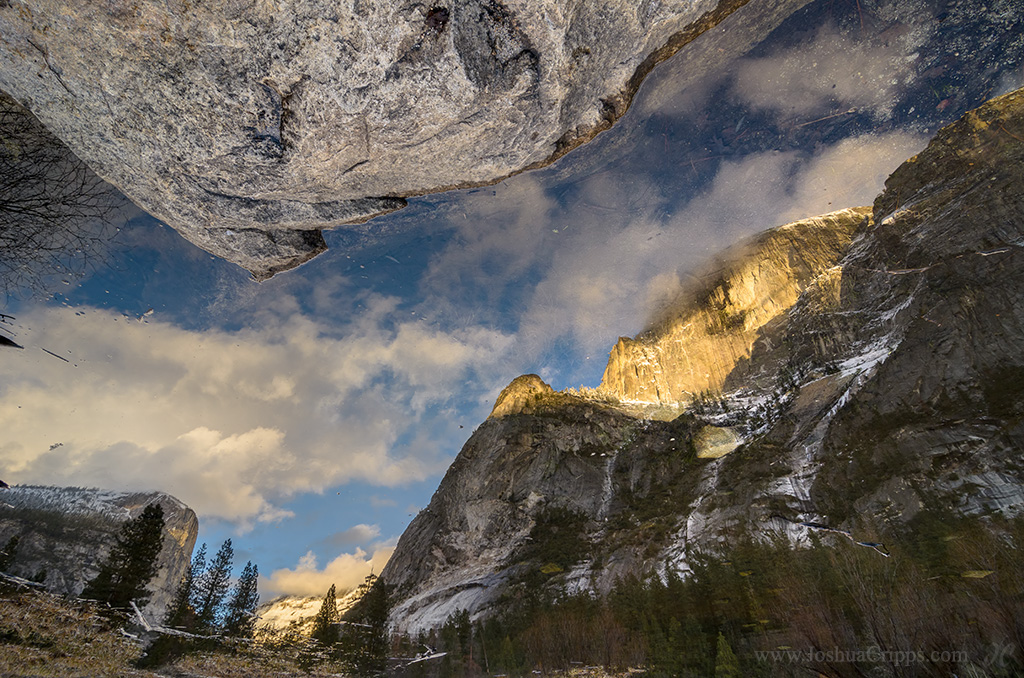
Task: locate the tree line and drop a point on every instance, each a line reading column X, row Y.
column 951, row 592
column 201, row 603
column 206, row 609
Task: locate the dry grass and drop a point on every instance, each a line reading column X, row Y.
column 46, row 636
column 205, row 665
column 43, row 635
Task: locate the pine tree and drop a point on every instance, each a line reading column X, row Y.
column 506, row 661
column 365, row 645
column 727, row 665
column 377, row 611
column 9, row 552
column 240, row 615
column 131, row 564
column 181, row 612
column 212, row 586
column 325, row 624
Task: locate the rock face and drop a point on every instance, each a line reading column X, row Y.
column 250, row 125
column 520, row 395
column 67, row 532
column 710, row 329
column 886, row 387
column 929, row 329
column 496, row 520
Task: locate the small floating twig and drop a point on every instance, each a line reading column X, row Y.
column 827, row 117
column 55, row 355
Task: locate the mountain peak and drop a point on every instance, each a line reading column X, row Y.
column 520, row 395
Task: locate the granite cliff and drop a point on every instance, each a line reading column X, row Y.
column 855, row 374
column 707, row 331
column 249, row 126
column 66, row 532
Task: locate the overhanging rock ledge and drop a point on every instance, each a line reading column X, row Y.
column 242, row 122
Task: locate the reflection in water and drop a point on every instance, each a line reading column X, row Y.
column 56, row 216
column 357, row 372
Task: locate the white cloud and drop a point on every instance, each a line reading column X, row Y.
column 611, row 281
column 769, row 189
column 847, row 174
column 834, row 70
column 233, row 423
column 346, row 572
column 357, row 534
column 501, row 233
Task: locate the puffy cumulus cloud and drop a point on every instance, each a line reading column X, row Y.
column 346, row 572
column 231, row 422
column 832, row 70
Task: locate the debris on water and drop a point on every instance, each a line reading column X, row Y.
column 55, row 355
column 4, row 341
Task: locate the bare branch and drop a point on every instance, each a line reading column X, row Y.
column 56, row 215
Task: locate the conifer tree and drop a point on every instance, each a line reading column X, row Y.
column 240, row 614
column 377, row 610
column 365, row 645
column 181, row 612
column 131, row 564
column 727, row 665
column 212, row 586
column 325, row 624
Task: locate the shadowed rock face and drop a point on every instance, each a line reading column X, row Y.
column 67, row 532
column 886, row 387
column 239, row 122
column 478, row 534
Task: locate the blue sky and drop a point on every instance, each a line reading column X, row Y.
column 308, row 417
